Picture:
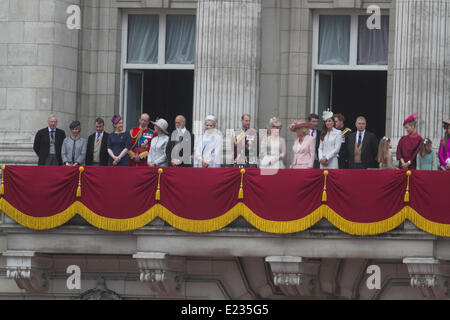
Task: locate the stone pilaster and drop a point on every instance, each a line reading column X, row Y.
column 227, row 60
column 421, row 66
column 38, row 73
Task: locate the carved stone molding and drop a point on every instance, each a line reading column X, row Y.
column 430, row 276
column 100, row 292
column 28, row 270
column 294, row 275
column 162, row 272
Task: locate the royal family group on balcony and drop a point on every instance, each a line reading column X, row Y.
column 333, row 147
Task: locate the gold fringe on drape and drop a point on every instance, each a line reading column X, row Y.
column 240, row 209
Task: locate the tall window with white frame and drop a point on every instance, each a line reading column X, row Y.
column 157, row 64
column 350, row 63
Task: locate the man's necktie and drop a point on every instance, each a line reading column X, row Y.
column 312, row 133
column 359, row 139
column 98, row 139
column 53, row 134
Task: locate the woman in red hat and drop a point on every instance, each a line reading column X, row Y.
column 444, row 148
column 409, row 145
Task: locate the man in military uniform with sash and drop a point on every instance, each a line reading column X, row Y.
column 141, row 138
column 246, row 145
column 339, row 124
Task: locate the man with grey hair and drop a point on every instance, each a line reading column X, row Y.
column 362, row 147
column 180, row 146
column 48, row 143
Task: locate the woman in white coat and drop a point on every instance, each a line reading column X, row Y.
column 157, row 154
column 330, row 143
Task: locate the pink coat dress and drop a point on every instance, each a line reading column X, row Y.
column 304, row 153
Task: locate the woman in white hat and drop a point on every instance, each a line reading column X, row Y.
column 157, row 154
column 208, row 151
column 330, row 143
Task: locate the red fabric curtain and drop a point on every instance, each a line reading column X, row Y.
column 118, row 192
column 203, row 194
column 430, row 195
column 111, row 194
column 285, row 196
column 366, row 196
column 40, row 191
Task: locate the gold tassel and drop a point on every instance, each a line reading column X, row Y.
column 80, row 169
column 158, row 191
column 2, row 185
column 406, row 200
column 324, row 193
column 241, row 188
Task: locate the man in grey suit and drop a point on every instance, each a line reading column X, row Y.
column 181, row 145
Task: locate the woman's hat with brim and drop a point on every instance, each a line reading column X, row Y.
column 75, row 124
column 162, row 124
column 411, row 118
column 299, row 124
column 446, row 122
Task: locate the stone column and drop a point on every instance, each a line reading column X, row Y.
column 38, row 73
column 227, row 60
column 421, row 66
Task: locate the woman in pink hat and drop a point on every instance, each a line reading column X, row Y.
column 444, row 148
column 409, row 146
column 304, row 146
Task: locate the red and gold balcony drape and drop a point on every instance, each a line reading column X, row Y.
column 358, row 202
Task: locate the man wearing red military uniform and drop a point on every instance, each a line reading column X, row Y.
column 141, row 138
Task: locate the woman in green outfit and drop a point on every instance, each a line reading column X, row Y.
column 425, row 156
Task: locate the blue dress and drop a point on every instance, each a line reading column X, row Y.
column 117, row 142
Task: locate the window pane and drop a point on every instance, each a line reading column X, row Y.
column 373, row 44
column 180, row 39
column 334, row 39
column 143, row 38
column 134, row 101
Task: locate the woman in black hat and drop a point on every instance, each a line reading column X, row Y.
column 73, row 151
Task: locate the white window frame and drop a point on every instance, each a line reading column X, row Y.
column 161, row 65
column 161, row 40
column 353, row 55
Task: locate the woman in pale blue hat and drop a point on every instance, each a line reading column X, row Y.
column 157, row 155
column 208, row 151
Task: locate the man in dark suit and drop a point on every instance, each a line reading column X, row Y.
column 48, row 144
column 97, row 152
column 181, row 145
column 315, row 133
column 362, row 147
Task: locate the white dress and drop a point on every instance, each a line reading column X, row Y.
column 271, row 149
column 329, row 149
column 209, row 148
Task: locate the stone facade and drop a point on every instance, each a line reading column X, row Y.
column 256, row 58
column 76, row 74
